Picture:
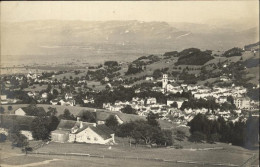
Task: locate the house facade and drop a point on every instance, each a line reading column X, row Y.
column 82, row 132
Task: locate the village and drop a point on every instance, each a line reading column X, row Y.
column 76, row 93
column 231, row 102
column 84, row 113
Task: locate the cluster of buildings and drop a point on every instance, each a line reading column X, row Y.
column 172, row 106
column 5, row 100
column 71, row 131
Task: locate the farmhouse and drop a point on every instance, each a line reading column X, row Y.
column 98, row 134
column 82, row 132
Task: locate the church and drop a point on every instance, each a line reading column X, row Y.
column 170, row 87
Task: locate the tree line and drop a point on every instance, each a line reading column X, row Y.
column 241, row 133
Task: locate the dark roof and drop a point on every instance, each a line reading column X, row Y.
column 66, row 124
column 102, row 130
column 60, row 132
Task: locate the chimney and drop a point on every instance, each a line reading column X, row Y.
column 78, row 119
column 81, row 124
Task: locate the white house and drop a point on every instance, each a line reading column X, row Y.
column 68, row 96
column 67, row 102
column 54, row 102
column 82, row 132
column 99, row 134
column 242, row 102
column 106, row 79
column 45, row 95
column 3, row 97
column 149, row 78
column 151, row 101
column 222, row 99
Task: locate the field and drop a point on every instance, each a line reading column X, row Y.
column 102, row 156
column 60, row 109
column 227, row 155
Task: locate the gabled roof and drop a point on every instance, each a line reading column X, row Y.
column 66, row 124
column 102, row 130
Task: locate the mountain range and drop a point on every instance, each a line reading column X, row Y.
column 116, row 38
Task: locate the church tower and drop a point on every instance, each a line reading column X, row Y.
column 164, row 81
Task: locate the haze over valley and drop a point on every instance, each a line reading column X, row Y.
column 96, row 41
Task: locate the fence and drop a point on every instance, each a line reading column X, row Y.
column 249, row 161
column 135, row 158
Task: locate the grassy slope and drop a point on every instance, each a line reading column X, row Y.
column 230, row 154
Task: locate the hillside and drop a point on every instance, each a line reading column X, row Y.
column 202, row 67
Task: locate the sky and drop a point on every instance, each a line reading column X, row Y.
column 169, row 11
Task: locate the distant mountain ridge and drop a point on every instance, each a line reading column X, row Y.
column 53, row 37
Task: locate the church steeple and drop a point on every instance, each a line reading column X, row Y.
column 164, row 81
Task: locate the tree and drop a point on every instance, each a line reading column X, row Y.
column 174, row 104
column 40, row 128
column 180, row 135
column 51, row 111
column 111, row 63
column 2, row 110
column 215, row 137
column 10, row 108
column 157, row 73
column 125, row 130
column 79, row 100
column 15, row 136
column 233, row 52
column 128, row 110
column 88, row 116
column 2, row 137
column 151, row 119
column 252, row 131
column 112, row 122
column 55, row 93
column 197, row 137
column 67, row 115
column 53, row 122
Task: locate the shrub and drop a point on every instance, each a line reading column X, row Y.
column 197, row 137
